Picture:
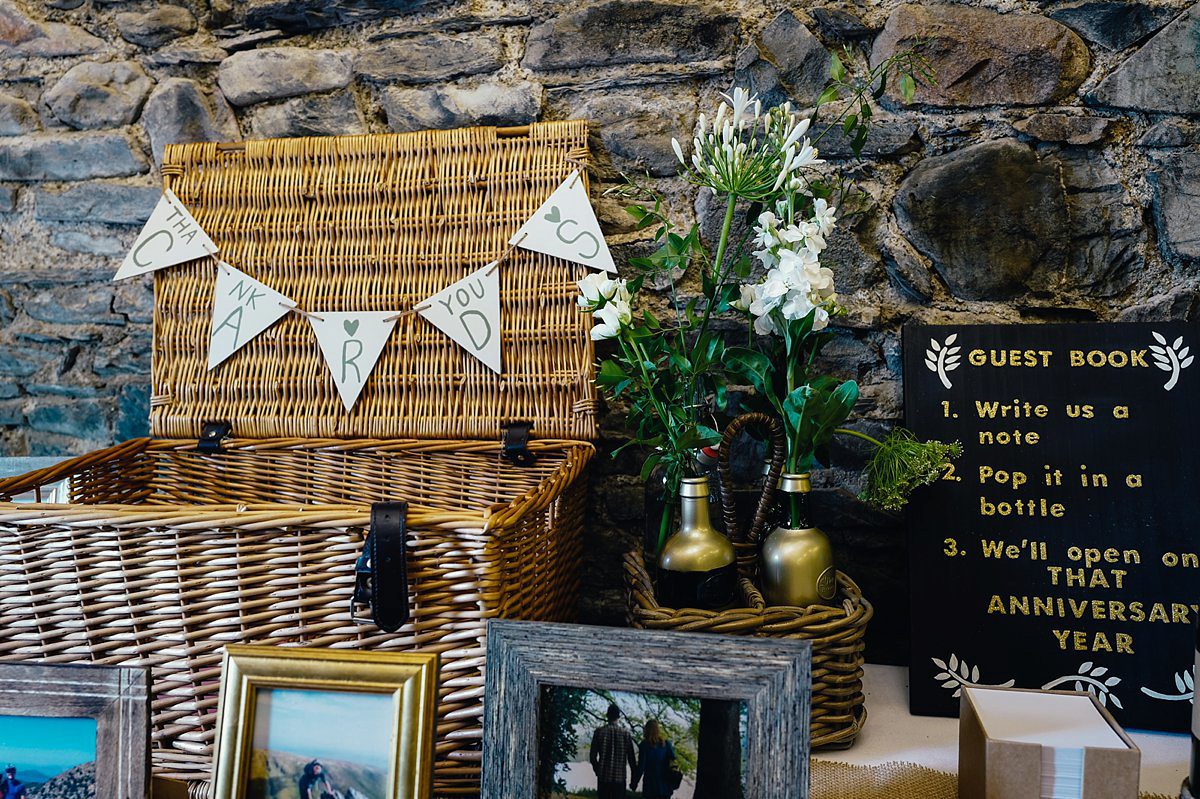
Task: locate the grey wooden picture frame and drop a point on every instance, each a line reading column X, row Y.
column 117, row 697
column 772, row 676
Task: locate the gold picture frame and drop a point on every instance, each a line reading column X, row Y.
column 409, row 678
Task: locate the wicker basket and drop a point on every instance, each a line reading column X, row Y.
column 168, row 551
column 836, row 634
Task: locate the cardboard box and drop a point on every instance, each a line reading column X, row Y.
column 997, row 764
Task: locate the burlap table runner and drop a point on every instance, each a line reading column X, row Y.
column 834, row 780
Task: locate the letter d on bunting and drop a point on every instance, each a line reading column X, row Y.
column 170, row 236
column 566, row 227
column 351, row 343
column 242, row 308
column 469, row 313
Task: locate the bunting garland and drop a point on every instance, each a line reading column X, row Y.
column 351, row 342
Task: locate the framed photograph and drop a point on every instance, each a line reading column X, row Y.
column 325, row 724
column 74, row 732
column 574, row 712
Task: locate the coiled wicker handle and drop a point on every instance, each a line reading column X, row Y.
column 746, row 543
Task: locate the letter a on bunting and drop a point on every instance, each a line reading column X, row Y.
column 171, row 236
column 351, row 344
column 566, row 227
column 469, row 313
column 242, row 308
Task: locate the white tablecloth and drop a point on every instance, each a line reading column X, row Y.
column 892, row 734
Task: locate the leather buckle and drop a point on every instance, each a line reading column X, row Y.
column 381, row 572
column 211, row 436
column 516, row 443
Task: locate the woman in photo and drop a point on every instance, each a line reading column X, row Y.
column 656, row 764
column 314, row 783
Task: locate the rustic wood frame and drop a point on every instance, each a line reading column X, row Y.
column 410, row 678
column 772, row 676
column 117, row 697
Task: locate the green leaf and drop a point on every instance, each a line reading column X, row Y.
column 849, row 124
column 908, row 88
column 836, row 69
column 638, row 212
column 651, row 461
column 755, row 367
column 829, row 95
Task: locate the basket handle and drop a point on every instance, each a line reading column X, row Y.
column 778, row 450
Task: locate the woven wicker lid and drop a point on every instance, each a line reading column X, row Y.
column 377, row 222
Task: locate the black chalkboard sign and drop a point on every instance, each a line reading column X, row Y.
column 1063, row 548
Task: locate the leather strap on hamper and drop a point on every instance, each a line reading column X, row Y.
column 384, row 575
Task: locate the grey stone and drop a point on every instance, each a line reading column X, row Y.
column 1107, row 231
column 95, row 95
column 988, row 216
column 22, row 35
column 8, row 199
column 59, row 390
column 983, row 58
column 134, row 300
column 853, row 269
column 1171, row 132
column 69, row 156
column 87, row 419
column 627, row 32
column 11, row 414
column 186, row 54
column 887, row 137
column 248, row 41
column 487, row 102
column 72, row 305
column 302, row 16
column 64, row 5
column 907, row 269
column 17, row 116
column 1164, row 75
column 277, row 72
column 834, row 23
column 1065, row 128
column 9, row 390
column 87, row 244
column 802, row 61
column 154, row 28
column 133, row 412
column 313, row 115
column 111, row 203
column 1179, row 303
column 636, row 129
column 429, row 59
column 1177, row 204
column 1112, row 24
column 181, row 112
column 754, row 73
column 22, row 361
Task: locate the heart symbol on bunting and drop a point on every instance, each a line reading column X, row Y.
column 351, row 326
column 565, row 226
column 553, row 216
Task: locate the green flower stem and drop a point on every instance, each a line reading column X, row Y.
column 848, row 432
column 722, row 243
column 639, row 356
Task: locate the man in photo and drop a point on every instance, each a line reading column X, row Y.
column 612, row 748
column 11, row 787
column 314, row 783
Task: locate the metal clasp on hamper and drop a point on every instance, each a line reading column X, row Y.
column 516, row 443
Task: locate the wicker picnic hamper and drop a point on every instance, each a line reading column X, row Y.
column 172, row 548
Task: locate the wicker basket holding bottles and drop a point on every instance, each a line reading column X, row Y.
column 836, row 632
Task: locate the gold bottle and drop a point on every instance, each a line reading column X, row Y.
column 797, row 559
column 697, row 567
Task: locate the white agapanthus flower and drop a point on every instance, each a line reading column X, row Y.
column 747, row 152
column 608, row 299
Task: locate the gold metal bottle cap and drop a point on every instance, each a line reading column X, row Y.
column 795, row 483
column 693, row 487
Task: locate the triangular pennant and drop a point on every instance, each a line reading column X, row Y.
column 469, row 313
column 351, row 344
column 171, row 236
column 566, row 227
column 242, row 308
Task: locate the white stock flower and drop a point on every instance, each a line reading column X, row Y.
column 823, row 216
column 743, row 303
column 611, row 317
column 599, row 287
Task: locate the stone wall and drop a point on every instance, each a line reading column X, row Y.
column 1050, row 175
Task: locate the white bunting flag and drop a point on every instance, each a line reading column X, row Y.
column 171, row 236
column 566, row 227
column 242, row 308
column 469, row 313
column 351, row 344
